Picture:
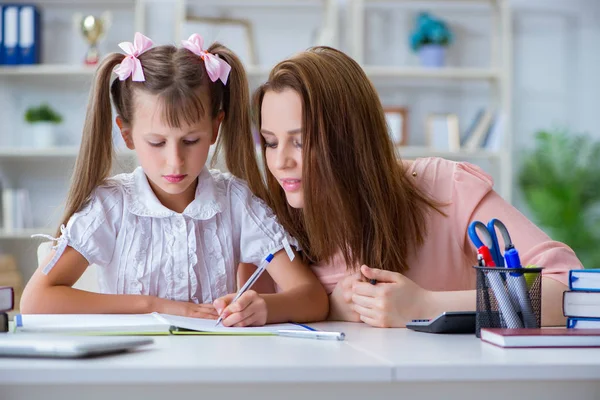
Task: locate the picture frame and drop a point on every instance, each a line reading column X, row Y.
column 442, row 132
column 237, row 31
column 396, row 119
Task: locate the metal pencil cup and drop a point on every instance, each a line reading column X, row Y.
column 508, row 298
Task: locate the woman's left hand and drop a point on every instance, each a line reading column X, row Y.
column 249, row 310
column 392, row 302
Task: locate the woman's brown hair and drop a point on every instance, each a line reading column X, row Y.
column 175, row 75
column 358, row 198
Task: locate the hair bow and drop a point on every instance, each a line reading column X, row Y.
column 131, row 65
column 215, row 67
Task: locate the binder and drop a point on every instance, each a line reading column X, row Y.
column 10, row 24
column 29, row 35
column 1, row 34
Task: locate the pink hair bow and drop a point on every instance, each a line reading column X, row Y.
column 215, row 67
column 131, row 65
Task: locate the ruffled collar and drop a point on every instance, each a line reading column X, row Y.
column 142, row 201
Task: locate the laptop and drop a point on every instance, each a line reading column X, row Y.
column 59, row 346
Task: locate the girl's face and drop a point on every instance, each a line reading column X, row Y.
column 172, row 158
column 281, row 127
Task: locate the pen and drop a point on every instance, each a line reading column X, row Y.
column 250, row 282
column 320, row 335
column 518, row 289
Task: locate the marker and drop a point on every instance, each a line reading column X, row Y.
column 319, row 335
column 518, row 289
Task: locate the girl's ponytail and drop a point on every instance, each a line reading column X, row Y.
column 236, row 129
column 94, row 161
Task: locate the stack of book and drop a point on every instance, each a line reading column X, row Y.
column 581, row 303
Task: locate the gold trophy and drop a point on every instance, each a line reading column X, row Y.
column 93, row 29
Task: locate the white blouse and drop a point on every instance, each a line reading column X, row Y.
column 142, row 247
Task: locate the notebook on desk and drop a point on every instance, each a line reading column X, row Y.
column 541, row 337
column 136, row 324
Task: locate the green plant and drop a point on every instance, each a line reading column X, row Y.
column 43, row 113
column 429, row 30
column 560, row 180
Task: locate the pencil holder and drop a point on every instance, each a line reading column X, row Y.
column 508, row 298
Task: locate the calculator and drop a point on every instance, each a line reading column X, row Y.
column 446, row 322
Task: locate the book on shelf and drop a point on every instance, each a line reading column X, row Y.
column 16, row 209
column 541, row 337
column 581, row 304
column 584, row 280
column 137, row 324
column 475, row 137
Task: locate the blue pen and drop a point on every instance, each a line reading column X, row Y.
column 250, row 281
column 517, row 288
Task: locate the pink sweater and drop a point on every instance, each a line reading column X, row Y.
column 444, row 262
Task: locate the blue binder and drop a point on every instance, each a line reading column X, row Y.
column 1, row 35
column 10, row 36
column 29, row 35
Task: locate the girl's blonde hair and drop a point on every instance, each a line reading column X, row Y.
column 175, row 75
column 357, row 195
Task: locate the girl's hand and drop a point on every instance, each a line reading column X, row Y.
column 249, row 310
column 340, row 300
column 186, row 309
column 392, row 302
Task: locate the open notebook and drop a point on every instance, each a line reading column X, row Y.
column 136, row 324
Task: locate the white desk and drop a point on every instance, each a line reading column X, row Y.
column 371, row 363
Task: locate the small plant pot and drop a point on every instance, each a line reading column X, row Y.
column 43, row 134
column 432, row 55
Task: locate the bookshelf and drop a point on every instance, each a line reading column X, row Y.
column 63, row 80
column 495, row 75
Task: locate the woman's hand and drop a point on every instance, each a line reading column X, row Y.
column 340, row 300
column 249, row 310
column 186, row 309
column 392, row 302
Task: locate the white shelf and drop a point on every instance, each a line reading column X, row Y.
column 25, row 233
column 432, row 73
column 66, row 70
column 50, row 152
column 408, row 152
column 48, row 70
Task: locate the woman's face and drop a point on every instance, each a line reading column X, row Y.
column 281, row 127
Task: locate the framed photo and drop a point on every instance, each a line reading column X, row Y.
column 442, row 132
column 397, row 122
column 236, row 31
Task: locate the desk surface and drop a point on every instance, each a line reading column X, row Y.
column 367, row 355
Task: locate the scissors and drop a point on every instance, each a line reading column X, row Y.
column 489, row 248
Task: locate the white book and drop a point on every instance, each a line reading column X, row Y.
column 136, row 324
column 477, row 137
column 581, row 304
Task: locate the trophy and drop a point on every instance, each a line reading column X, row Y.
column 93, row 29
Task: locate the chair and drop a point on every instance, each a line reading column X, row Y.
column 88, row 281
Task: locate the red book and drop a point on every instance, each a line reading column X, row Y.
column 7, row 298
column 541, row 337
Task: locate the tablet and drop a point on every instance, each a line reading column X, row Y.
column 447, row 322
column 34, row 345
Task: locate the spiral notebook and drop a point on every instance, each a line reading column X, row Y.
column 136, row 324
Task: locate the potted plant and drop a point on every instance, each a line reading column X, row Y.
column 429, row 39
column 560, row 180
column 43, row 120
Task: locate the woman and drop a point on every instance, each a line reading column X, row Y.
column 357, row 212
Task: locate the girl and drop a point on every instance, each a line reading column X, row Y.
column 169, row 236
column 337, row 187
